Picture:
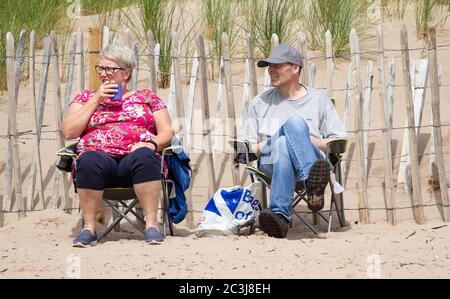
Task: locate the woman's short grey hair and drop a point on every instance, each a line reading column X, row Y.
column 122, row 55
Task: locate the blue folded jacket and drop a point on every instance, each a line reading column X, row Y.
column 180, row 174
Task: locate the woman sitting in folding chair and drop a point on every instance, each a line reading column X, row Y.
column 288, row 126
column 120, row 132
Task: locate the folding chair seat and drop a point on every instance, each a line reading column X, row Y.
column 334, row 152
column 116, row 197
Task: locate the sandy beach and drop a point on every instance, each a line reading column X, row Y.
column 39, row 245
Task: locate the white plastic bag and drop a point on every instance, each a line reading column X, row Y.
column 229, row 210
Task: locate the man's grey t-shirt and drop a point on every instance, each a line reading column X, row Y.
column 271, row 110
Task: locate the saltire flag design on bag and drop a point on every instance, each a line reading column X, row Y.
column 230, row 209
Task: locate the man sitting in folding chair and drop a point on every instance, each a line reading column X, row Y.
column 120, row 132
column 288, row 128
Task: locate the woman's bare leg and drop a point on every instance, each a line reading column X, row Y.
column 148, row 195
column 90, row 203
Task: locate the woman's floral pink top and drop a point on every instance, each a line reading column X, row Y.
column 117, row 125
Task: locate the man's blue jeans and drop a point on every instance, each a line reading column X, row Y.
column 288, row 156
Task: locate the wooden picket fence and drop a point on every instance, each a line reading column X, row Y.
column 358, row 94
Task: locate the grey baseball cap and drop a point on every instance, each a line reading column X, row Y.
column 282, row 54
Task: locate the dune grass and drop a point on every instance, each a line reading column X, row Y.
column 42, row 16
column 394, row 9
column 94, row 7
column 161, row 17
column 261, row 18
column 217, row 17
column 110, row 13
column 430, row 11
column 338, row 16
column 265, row 17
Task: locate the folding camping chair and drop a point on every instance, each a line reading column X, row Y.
column 334, row 152
column 116, row 197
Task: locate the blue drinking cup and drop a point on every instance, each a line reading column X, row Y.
column 118, row 95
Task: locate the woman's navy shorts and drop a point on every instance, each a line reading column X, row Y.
column 97, row 170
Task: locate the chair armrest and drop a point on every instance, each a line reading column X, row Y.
column 70, row 150
column 239, row 146
column 337, row 146
column 243, row 154
column 231, row 140
column 171, row 149
column 68, row 156
column 168, row 151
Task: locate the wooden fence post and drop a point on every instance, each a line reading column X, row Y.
column 366, row 115
column 433, row 179
column 70, row 70
column 13, row 66
column 105, row 37
column 81, row 65
column 179, row 101
column 345, row 120
column 20, row 200
column 67, row 97
column 330, row 64
column 245, row 98
column 389, row 104
column 17, row 67
column 128, row 42
column 312, row 75
column 60, row 143
column 153, row 74
column 231, row 119
column 364, row 214
column 217, row 126
column 267, row 83
column 156, row 52
column 386, row 131
column 419, row 84
column 8, row 187
column 252, row 70
column 435, row 104
column 187, row 145
column 417, row 195
column 206, row 115
column 42, row 96
column 253, row 84
column 36, row 166
column 303, row 49
column 95, row 44
column 171, row 94
column 135, row 72
column 274, row 40
column 191, row 95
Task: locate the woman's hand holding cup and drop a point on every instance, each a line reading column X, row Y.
column 106, row 90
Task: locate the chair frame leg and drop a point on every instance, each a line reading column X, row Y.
column 299, row 196
column 340, row 197
column 165, row 203
column 302, row 219
column 336, row 203
column 139, row 215
column 115, row 216
column 128, row 208
column 339, row 214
